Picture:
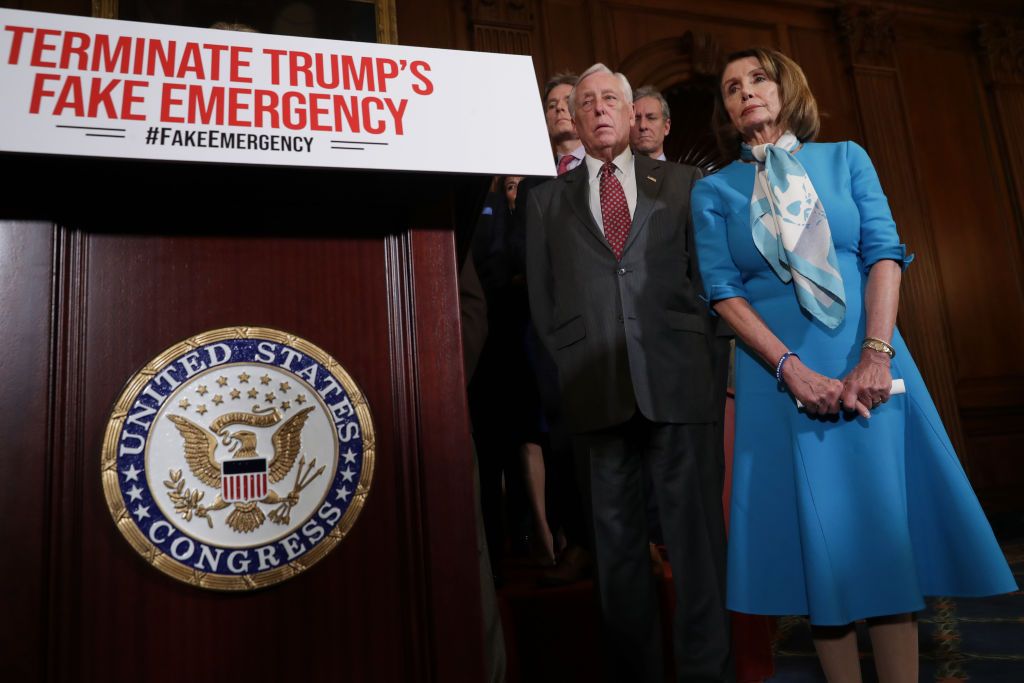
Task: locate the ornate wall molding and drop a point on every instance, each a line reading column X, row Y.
column 506, row 26
column 517, row 12
column 1002, row 52
column 693, row 56
column 504, row 39
column 705, row 53
column 870, row 35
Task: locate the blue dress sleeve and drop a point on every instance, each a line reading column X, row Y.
column 878, row 237
column 718, row 271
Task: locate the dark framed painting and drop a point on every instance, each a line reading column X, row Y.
column 367, row 21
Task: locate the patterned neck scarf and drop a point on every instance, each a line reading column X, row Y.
column 791, row 231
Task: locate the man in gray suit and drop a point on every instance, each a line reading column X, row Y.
column 614, row 285
column 653, row 122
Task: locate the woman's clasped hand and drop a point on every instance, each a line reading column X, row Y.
column 866, row 387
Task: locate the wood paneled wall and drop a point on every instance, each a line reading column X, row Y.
column 933, row 90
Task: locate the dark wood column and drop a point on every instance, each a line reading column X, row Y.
column 870, row 37
column 26, row 298
column 1002, row 54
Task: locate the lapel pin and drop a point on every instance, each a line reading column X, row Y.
column 652, row 179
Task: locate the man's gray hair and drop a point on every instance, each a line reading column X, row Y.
column 599, row 68
column 651, row 91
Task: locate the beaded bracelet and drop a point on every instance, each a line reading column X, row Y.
column 782, row 361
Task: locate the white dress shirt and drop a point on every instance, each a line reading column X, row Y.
column 577, row 156
column 626, row 174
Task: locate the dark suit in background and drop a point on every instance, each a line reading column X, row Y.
column 568, row 475
column 473, row 315
column 503, row 398
column 634, row 344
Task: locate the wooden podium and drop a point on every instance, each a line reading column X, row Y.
column 104, row 264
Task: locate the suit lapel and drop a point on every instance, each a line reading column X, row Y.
column 649, row 174
column 577, row 188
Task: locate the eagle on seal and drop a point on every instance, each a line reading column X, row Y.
column 201, row 445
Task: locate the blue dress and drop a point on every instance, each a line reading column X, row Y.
column 844, row 518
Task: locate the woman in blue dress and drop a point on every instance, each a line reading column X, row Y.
column 854, row 505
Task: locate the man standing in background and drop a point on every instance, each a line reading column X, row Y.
column 567, row 477
column 653, row 122
column 564, row 141
column 614, row 293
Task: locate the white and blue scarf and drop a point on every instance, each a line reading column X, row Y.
column 791, row 231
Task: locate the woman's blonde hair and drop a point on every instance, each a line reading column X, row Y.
column 799, row 110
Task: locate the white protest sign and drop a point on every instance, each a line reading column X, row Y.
column 105, row 88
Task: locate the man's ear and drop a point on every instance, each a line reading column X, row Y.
column 668, row 126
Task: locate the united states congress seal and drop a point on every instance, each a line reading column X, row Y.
column 238, row 458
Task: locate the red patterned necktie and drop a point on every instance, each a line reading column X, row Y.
column 563, row 163
column 614, row 210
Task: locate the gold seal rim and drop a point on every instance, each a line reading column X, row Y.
column 172, row 567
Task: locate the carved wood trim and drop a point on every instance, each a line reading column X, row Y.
column 387, row 22
column 923, row 321
column 505, row 26
column 450, row 539
column 26, row 414
column 869, row 34
column 68, row 457
column 693, row 56
column 512, row 12
column 705, row 53
column 1008, row 105
column 105, row 9
column 504, row 39
column 402, row 353
column 1002, row 52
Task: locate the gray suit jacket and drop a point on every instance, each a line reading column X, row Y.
column 625, row 335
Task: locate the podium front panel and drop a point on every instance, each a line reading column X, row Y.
column 107, row 264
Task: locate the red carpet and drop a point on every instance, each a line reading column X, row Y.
column 554, row 634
